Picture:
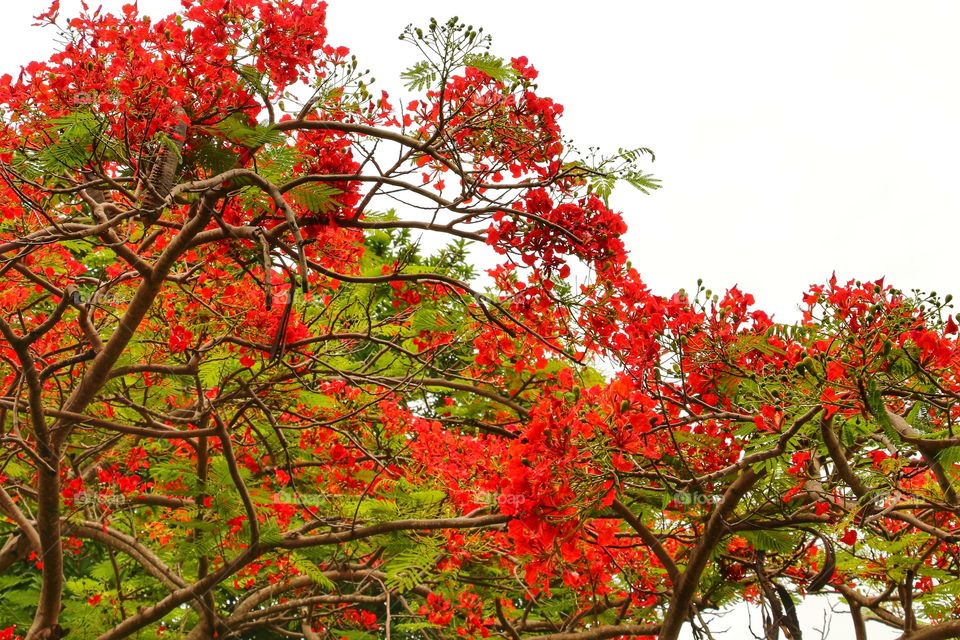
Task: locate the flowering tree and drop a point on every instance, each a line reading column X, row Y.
column 241, row 400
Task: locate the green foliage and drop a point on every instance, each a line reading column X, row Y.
column 171, row 146
column 317, row 197
column 603, row 172
column 275, row 163
column 238, row 129
column 78, row 137
column 493, row 66
column 420, row 76
column 410, row 566
column 353, row 634
column 19, row 593
column 771, row 540
column 309, row 568
column 256, row 79
column 215, row 155
column 948, row 457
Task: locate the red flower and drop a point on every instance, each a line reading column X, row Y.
column 835, row 370
column 878, row 456
column 951, row 326
column 829, row 397
column 799, row 460
column 180, row 339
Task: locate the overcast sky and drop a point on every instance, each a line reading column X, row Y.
column 793, row 139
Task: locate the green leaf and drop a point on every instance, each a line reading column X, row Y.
column 602, row 186
column 276, row 163
column 419, row 76
column 212, row 155
column 352, row 634
column 76, row 134
column 310, row 569
column 102, row 257
column 427, row 320
column 879, row 410
column 171, row 146
column 211, row 373
column 635, row 155
column 406, row 569
column 771, row 540
column 254, row 78
column 644, row 182
column 492, row 65
column 238, row 129
column 949, row 456
column 317, row 197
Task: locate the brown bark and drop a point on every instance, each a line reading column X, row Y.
column 686, row 588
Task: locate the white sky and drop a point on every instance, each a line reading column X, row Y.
column 793, row 139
